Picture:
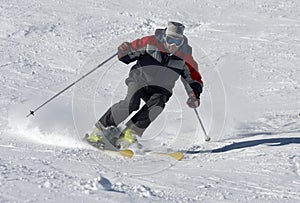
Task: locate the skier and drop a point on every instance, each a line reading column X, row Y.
column 160, row 61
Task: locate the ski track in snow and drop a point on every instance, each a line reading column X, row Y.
column 247, row 51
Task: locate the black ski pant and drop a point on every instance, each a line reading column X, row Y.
column 155, row 99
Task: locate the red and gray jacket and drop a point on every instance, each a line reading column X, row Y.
column 156, row 67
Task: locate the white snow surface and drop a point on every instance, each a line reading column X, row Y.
column 249, row 56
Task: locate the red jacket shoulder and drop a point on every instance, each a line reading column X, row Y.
column 143, row 42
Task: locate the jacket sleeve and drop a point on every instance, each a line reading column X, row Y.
column 192, row 78
column 138, row 49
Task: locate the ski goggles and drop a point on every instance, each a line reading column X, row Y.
column 172, row 40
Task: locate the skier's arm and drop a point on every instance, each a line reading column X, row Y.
column 192, row 78
column 129, row 52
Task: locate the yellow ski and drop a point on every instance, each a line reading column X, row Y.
column 125, row 152
column 178, row 156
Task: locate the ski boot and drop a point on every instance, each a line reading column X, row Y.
column 128, row 140
column 94, row 138
column 100, row 135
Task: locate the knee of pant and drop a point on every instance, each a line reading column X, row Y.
column 129, row 105
column 134, row 105
column 158, row 100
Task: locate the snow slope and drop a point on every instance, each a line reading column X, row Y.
column 248, row 53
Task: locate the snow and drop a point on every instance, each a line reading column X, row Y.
column 248, row 53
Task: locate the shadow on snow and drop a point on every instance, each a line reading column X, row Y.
column 252, row 143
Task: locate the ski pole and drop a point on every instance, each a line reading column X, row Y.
column 207, row 138
column 32, row 112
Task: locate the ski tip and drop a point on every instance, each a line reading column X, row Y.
column 177, row 155
column 126, row 153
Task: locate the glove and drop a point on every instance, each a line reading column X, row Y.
column 192, row 101
column 197, row 89
column 124, row 49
